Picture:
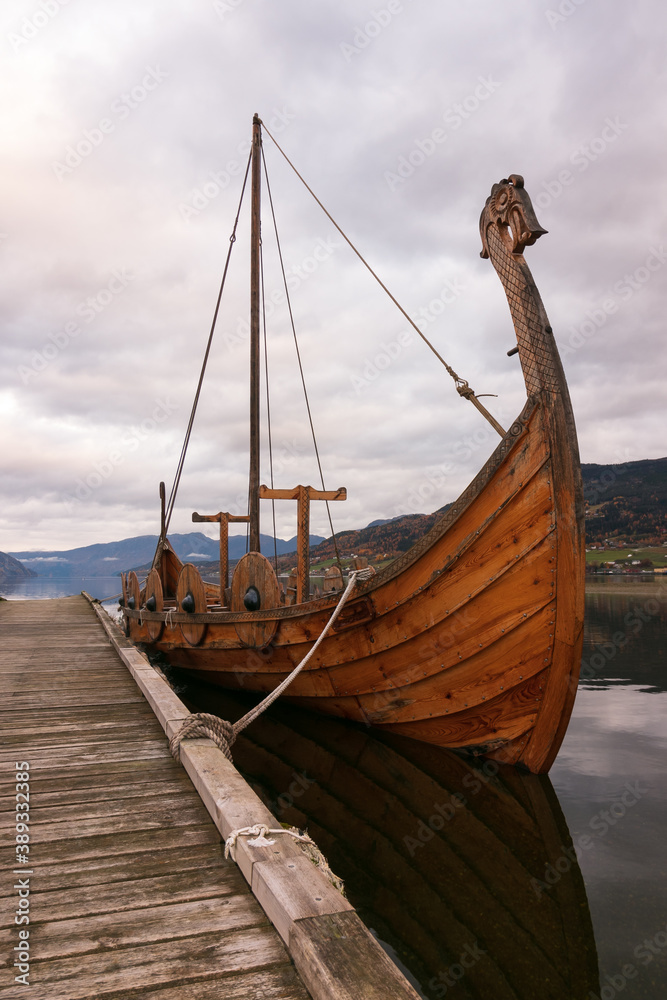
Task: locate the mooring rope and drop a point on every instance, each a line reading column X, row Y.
column 223, row 733
column 260, row 838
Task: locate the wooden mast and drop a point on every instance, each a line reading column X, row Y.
column 255, row 235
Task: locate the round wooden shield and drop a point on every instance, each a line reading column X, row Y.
column 154, row 590
column 126, row 620
column 191, row 584
column 133, row 592
column 255, row 583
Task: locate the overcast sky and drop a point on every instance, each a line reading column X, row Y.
column 125, row 134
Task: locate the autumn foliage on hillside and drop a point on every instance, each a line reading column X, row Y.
column 627, row 501
column 376, row 542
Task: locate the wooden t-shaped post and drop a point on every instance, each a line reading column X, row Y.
column 303, row 495
column 224, row 520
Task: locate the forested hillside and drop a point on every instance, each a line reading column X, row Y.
column 623, row 502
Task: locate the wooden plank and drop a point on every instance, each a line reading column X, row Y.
column 130, row 894
column 277, row 983
column 59, row 938
column 334, row 953
column 99, row 792
column 69, row 873
column 124, row 843
column 207, row 956
column 124, row 822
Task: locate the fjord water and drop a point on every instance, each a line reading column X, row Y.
column 478, row 880
column 40, row 588
column 610, row 777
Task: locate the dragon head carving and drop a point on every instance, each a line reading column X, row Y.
column 510, row 207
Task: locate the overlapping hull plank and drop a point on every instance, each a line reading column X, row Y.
column 473, row 637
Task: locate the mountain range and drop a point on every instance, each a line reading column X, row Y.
column 625, row 502
column 111, row 558
column 12, row 571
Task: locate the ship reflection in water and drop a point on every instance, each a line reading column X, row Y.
column 464, row 870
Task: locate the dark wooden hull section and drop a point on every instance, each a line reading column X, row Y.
column 442, row 856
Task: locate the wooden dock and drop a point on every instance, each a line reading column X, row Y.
column 129, row 892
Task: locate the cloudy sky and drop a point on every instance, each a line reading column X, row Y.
column 125, row 134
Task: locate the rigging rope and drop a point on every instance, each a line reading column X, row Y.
column 268, row 401
column 298, row 355
column 181, row 460
column 462, row 386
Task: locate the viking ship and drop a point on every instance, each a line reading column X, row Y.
column 472, row 638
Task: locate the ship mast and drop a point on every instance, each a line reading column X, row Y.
column 255, row 236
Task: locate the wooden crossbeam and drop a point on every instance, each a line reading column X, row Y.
column 303, row 495
column 224, row 519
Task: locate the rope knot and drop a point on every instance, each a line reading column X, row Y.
column 364, row 574
column 208, row 726
column 465, row 390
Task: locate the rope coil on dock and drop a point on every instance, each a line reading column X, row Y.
column 202, row 725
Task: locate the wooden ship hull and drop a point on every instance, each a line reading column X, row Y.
column 471, row 639
column 442, row 856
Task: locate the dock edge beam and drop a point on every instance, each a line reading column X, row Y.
column 334, row 952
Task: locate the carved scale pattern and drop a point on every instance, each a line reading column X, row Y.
column 535, row 342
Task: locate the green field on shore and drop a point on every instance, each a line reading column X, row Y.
column 657, row 555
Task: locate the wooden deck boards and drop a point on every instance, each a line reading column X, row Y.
column 130, row 895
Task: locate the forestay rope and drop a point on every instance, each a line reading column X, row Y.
column 462, row 386
column 298, row 357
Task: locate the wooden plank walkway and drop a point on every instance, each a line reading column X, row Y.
column 130, row 895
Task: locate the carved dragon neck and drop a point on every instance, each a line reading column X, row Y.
column 507, row 225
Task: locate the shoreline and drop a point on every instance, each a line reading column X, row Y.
column 627, row 587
